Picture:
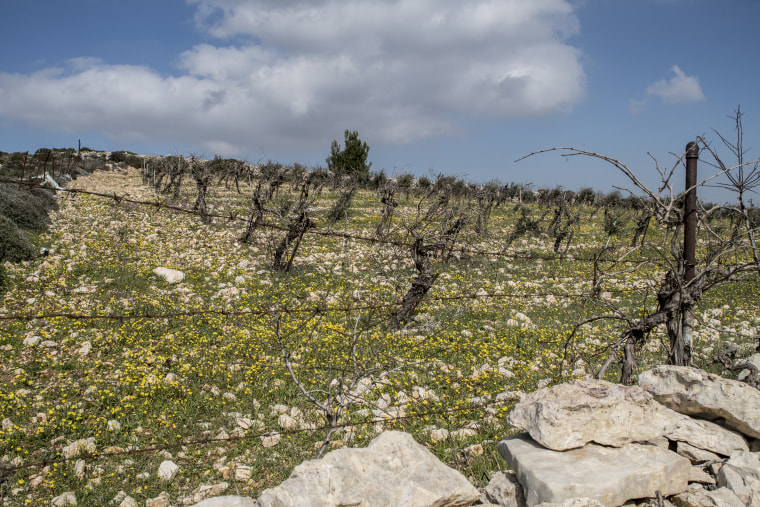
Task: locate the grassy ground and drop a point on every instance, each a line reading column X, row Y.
column 212, row 392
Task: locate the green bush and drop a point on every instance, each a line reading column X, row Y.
column 127, row 157
column 14, row 243
column 25, row 209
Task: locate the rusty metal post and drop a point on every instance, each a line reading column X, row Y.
column 690, row 213
column 681, row 351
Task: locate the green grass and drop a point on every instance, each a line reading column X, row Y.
column 178, row 382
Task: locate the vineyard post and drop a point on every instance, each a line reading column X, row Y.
column 681, row 355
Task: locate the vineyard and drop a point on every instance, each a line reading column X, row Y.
column 314, row 311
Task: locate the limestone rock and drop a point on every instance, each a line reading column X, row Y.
column 695, row 455
column 574, row 502
column 205, row 491
column 167, row 471
column 693, row 391
column 67, row 498
column 697, row 474
column 570, row 415
column 228, row 501
column 697, row 496
column 162, row 500
column 392, row 470
column 169, row 275
column 81, row 446
column 609, row 475
column 741, row 474
column 503, row 489
column 128, row 502
column 708, row 436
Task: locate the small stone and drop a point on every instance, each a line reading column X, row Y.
column 162, row 500
column 243, row 473
column 439, row 434
column 270, row 439
column 167, row 471
column 67, row 498
column 128, row 502
column 169, row 275
column 79, row 469
column 85, row 349
column 31, row 341
column 474, row 450
column 114, row 425
column 82, row 446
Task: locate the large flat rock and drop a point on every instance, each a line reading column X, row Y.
column 695, row 392
column 392, row 470
column 609, row 475
column 573, row 414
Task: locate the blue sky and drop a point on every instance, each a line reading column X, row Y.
column 433, row 86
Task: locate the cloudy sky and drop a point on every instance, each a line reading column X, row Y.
column 461, row 87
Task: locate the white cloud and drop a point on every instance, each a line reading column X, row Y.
column 679, row 89
column 299, row 72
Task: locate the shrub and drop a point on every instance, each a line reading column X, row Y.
column 14, row 243
column 25, row 209
column 127, row 157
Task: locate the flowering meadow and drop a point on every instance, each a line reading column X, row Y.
column 109, row 371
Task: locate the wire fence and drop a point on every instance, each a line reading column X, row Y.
column 4, row 470
column 234, row 217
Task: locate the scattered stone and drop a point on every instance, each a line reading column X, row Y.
column 31, row 341
column 573, row 502
column 361, row 477
column 67, row 498
column 270, row 439
column 82, row 446
column 609, row 475
column 692, row 391
column 169, row 275
column 503, row 489
column 85, row 348
column 573, row 414
column 439, row 435
column 79, row 469
column 129, row 502
column 228, row 501
column 203, row 492
column 697, row 496
column 473, row 450
column 162, row 500
column 167, row 471
column 243, row 473
column 114, row 425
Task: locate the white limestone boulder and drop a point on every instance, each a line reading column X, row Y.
column 570, row 415
column 608, row 475
column 695, row 392
column 392, row 470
